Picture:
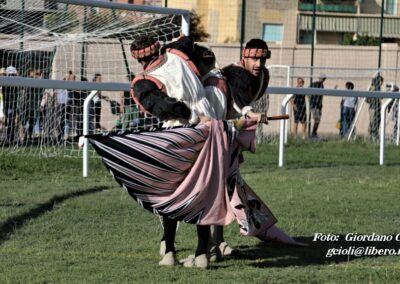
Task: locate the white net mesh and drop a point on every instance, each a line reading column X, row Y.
column 279, row 77
column 54, row 40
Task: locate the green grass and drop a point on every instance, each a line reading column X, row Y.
column 57, row 227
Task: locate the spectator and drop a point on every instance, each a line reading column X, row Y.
column 70, row 76
column 10, row 97
column 80, row 97
column 348, row 111
column 2, row 115
column 54, row 107
column 30, row 107
column 73, row 106
column 394, row 109
column 38, row 74
column 129, row 110
column 316, row 105
column 97, row 104
column 74, row 113
column 48, row 111
column 299, row 110
column 375, row 108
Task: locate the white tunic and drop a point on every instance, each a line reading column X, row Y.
column 350, row 102
column 215, row 95
column 183, row 84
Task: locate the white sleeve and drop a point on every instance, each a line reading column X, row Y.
column 45, row 98
column 217, row 100
column 194, row 117
column 201, row 107
column 242, row 111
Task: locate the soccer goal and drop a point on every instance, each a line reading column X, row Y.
column 53, row 54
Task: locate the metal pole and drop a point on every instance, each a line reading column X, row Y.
column 383, row 108
column 314, row 35
column 242, row 26
column 383, row 130
column 125, row 6
column 381, row 34
column 86, row 132
column 186, row 24
column 22, row 23
column 281, row 161
column 84, row 46
column 282, row 131
column 287, row 106
column 128, row 71
column 398, row 123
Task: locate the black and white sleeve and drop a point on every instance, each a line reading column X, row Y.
column 159, row 103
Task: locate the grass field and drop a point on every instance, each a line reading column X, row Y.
column 57, row 227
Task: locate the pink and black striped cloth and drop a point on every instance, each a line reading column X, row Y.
column 188, row 173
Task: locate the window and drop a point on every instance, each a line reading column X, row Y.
column 391, row 7
column 273, row 32
column 305, row 37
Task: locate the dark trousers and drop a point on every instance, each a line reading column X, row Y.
column 10, row 111
column 348, row 117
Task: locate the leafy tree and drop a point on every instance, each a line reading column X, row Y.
column 197, row 30
column 361, row 40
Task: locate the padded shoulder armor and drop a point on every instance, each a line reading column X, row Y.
column 187, row 46
column 158, row 103
column 238, row 78
column 184, row 45
column 144, row 86
column 239, row 82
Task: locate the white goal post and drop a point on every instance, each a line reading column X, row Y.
column 138, row 8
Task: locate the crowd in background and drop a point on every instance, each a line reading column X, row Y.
column 348, row 109
column 28, row 114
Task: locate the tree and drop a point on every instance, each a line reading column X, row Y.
column 362, row 40
column 197, row 30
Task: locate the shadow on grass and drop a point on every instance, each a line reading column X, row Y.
column 301, row 165
column 278, row 255
column 14, row 223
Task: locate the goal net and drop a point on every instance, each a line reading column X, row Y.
column 279, row 77
column 74, row 41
